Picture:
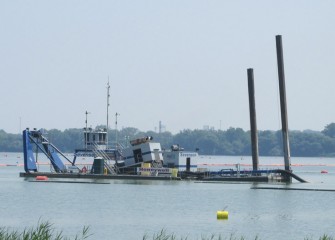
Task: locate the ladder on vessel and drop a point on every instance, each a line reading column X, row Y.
column 111, row 167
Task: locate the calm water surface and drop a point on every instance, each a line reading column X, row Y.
column 130, row 209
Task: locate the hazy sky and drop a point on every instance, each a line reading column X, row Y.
column 183, row 62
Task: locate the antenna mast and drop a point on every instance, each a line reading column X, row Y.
column 116, row 140
column 108, row 95
column 86, row 130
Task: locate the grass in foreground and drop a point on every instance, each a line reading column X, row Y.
column 46, row 231
column 163, row 235
column 43, row 231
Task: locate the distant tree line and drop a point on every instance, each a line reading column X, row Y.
column 233, row 141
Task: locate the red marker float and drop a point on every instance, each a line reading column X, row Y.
column 41, row 178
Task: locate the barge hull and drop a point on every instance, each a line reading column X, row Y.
column 237, row 179
column 95, row 176
column 140, row 177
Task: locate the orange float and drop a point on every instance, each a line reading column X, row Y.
column 41, row 178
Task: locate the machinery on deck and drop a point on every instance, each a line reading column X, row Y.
column 35, row 138
column 105, row 160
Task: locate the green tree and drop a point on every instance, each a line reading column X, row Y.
column 233, row 141
column 329, row 130
column 269, row 143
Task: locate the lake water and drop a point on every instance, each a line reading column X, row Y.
column 129, row 209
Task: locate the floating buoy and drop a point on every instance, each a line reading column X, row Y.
column 41, row 178
column 324, row 171
column 222, row 214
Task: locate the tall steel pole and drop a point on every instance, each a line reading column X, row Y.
column 253, row 123
column 108, row 95
column 86, row 113
column 282, row 91
column 116, row 140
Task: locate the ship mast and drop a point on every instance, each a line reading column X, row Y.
column 116, row 140
column 86, row 130
column 108, row 95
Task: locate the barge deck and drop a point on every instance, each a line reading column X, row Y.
column 95, row 176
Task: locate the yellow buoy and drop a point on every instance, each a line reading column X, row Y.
column 222, row 214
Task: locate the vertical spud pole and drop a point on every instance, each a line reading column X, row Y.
column 253, row 123
column 283, row 107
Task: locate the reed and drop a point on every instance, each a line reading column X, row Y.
column 164, row 235
column 43, row 231
column 46, row 231
column 323, row 237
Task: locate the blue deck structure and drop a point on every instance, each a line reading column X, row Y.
column 34, row 138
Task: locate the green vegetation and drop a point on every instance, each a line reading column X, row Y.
column 163, row 235
column 324, row 237
column 233, row 141
column 43, row 231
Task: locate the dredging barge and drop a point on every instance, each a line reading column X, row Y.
column 146, row 160
column 143, row 160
